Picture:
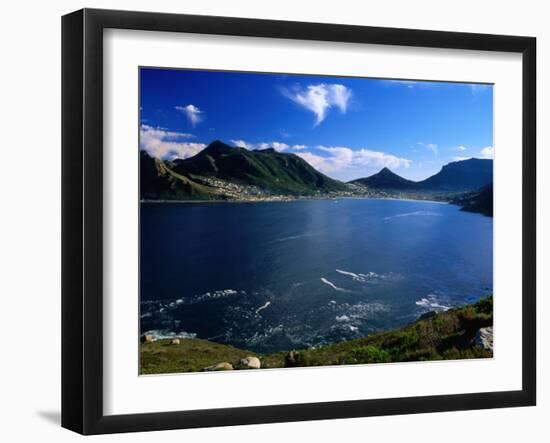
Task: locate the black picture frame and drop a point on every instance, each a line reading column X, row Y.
column 82, row 220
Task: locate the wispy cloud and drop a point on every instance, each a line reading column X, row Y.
column 347, row 163
column 431, row 146
column 318, row 99
column 241, row 144
column 278, row 146
column 487, row 152
column 167, row 145
column 193, row 113
column 284, row 133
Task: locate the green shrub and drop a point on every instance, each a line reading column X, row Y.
column 297, row 359
column 401, row 341
column 370, row 354
column 485, row 305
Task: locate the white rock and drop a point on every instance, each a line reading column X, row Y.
column 148, row 338
column 250, row 363
column 484, row 338
column 224, row 366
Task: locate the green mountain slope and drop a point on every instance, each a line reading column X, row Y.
column 386, row 179
column 224, row 172
column 159, row 182
column 267, row 169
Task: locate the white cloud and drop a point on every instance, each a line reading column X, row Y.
column 320, row 163
column 284, row 133
column 278, row 146
column 346, row 163
column 431, row 146
column 487, row 152
column 167, row 145
column 240, row 144
column 193, row 114
column 320, row 98
column 164, row 133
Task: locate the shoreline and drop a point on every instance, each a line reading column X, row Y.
column 290, row 200
column 453, row 334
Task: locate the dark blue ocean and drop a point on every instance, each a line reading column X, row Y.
column 276, row 276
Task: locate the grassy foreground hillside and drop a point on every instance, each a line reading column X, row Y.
column 449, row 335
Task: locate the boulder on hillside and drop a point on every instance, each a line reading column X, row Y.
column 249, row 363
column 175, row 341
column 224, row 366
column 147, row 338
column 484, row 338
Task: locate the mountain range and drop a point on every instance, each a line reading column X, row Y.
column 459, row 176
column 220, row 171
column 385, row 179
column 223, row 172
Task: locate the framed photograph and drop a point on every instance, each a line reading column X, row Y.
column 269, row 221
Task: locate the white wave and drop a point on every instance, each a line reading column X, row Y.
column 332, row 285
column 164, row 307
column 342, row 318
column 415, row 213
column 291, row 237
column 220, row 293
column 364, row 278
column 261, row 308
column 344, row 327
column 431, row 303
column 160, row 334
column 361, row 310
column 351, row 274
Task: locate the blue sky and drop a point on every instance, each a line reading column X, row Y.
column 345, row 127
